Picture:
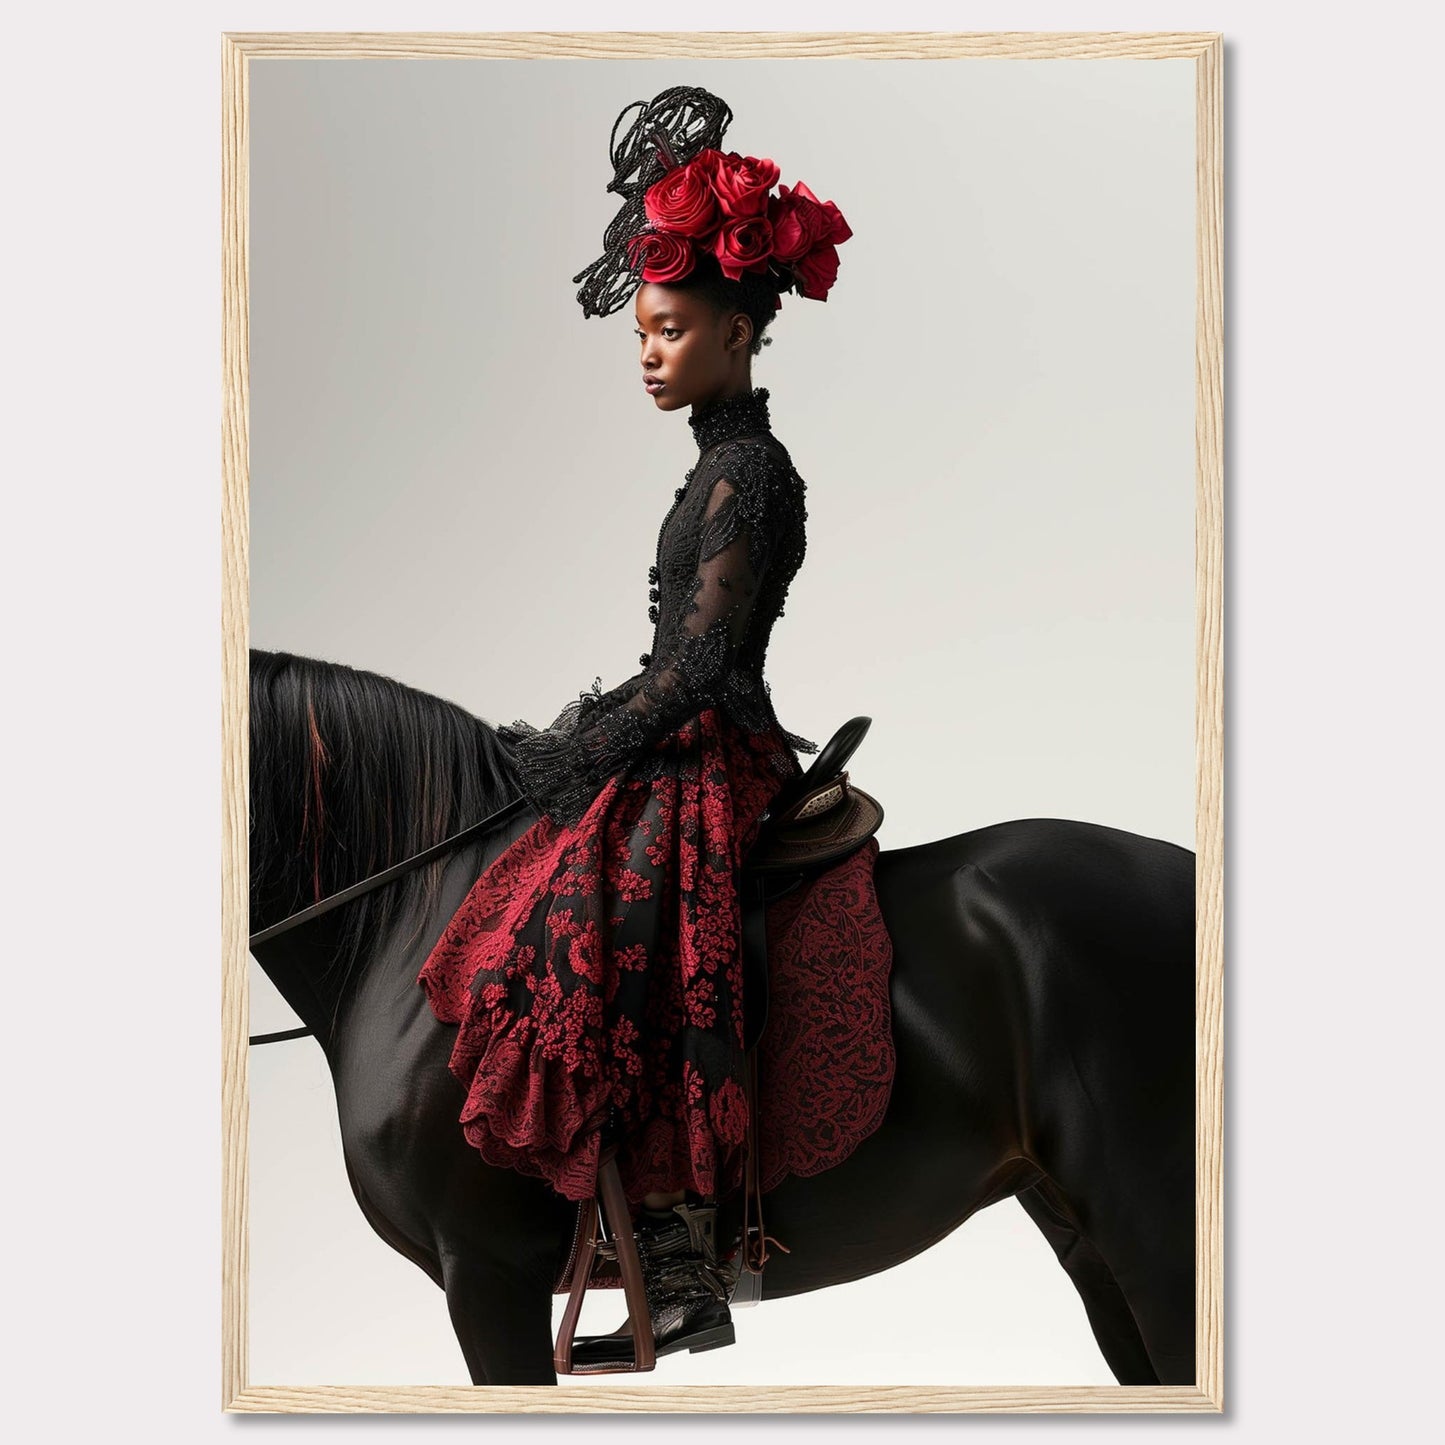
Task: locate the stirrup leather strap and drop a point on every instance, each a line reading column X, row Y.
column 622, row 1243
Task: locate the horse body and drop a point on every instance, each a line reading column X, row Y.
column 1043, row 1016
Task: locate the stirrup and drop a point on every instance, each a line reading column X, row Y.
column 622, row 1246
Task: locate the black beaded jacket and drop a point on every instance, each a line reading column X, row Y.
column 727, row 552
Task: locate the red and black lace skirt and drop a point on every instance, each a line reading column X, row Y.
column 595, row 975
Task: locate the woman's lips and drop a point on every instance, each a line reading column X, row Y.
column 652, row 384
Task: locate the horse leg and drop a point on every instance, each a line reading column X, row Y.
column 502, row 1315
column 1109, row 1315
column 1134, row 1265
column 1148, row 1238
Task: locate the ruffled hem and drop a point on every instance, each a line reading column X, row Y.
column 530, row 1112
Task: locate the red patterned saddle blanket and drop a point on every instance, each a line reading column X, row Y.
column 825, row 1061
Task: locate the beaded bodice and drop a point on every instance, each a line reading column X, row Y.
column 727, row 552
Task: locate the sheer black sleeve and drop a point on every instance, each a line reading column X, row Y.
column 564, row 766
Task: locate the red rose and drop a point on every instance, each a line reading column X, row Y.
column 666, row 256
column 798, row 222
column 683, row 201
column 743, row 245
column 836, row 230
column 801, row 221
column 742, row 183
column 816, row 272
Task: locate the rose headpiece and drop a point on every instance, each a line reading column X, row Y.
column 686, row 198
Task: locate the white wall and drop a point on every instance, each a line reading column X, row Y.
column 457, row 481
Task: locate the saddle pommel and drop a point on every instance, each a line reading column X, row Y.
column 820, row 816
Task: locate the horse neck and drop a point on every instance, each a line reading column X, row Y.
column 297, row 963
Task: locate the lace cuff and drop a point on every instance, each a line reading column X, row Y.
column 559, row 773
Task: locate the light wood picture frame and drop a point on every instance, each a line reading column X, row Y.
column 1204, row 52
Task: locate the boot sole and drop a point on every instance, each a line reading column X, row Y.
column 713, row 1339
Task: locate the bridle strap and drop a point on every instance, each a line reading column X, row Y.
column 276, row 1038
column 355, row 890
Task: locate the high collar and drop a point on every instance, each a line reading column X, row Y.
column 742, row 414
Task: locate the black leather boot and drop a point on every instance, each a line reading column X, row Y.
column 687, row 1289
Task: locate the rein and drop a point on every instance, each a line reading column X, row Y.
column 355, row 890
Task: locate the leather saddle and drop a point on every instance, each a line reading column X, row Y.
column 819, row 816
column 816, row 820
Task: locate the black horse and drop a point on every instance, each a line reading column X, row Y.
column 1043, row 1013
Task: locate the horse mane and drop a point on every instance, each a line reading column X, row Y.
column 351, row 772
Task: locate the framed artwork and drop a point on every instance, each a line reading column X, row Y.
column 998, row 1185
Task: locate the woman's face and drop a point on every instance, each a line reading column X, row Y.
column 694, row 353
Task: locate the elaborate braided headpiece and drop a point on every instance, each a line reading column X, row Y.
column 683, row 197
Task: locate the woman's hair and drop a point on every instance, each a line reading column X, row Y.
column 755, row 294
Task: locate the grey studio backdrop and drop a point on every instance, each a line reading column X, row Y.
column 457, row 481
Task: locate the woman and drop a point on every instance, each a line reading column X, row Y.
column 594, row 969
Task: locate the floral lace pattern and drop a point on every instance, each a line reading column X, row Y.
column 595, row 975
column 826, row 1059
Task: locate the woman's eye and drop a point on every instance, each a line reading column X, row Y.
column 641, row 336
